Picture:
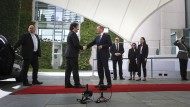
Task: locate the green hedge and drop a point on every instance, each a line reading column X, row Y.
column 64, row 45
column 15, row 17
column 25, row 16
column 9, row 19
column 46, row 55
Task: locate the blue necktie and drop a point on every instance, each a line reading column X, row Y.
column 99, row 38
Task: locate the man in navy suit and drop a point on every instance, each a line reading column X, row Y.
column 103, row 42
column 117, row 51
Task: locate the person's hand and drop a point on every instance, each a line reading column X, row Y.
column 145, row 59
column 84, row 48
column 116, row 54
column 129, row 61
column 119, row 54
column 100, row 47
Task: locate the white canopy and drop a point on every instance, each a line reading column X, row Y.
column 121, row 16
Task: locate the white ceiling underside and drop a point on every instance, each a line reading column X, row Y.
column 121, row 16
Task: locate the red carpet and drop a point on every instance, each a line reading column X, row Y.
column 115, row 88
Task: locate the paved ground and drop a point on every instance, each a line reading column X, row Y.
column 129, row 99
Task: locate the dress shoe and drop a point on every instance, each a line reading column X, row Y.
column 114, row 78
column 144, row 79
column 109, row 85
column 37, row 82
column 79, row 86
column 130, row 78
column 27, row 84
column 97, row 86
column 138, row 79
column 122, row 78
column 185, row 79
column 69, row 86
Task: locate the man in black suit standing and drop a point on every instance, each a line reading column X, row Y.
column 30, row 53
column 103, row 42
column 72, row 54
column 117, row 51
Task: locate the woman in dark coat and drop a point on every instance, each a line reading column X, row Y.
column 132, row 55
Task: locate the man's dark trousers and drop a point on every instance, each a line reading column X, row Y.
column 35, row 65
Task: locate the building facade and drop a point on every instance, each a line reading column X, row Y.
column 53, row 25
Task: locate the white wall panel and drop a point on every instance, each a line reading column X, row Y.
column 111, row 13
column 60, row 3
column 162, row 2
column 138, row 11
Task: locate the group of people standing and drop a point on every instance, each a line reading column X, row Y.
column 137, row 56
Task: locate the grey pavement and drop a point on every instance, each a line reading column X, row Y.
column 126, row 99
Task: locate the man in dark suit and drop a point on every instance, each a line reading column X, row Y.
column 117, row 51
column 103, row 42
column 72, row 53
column 30, row 53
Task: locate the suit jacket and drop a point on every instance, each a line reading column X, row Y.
column 144, row 52
column 28, row 46
column 184, row 50
column 73, row 46
column 113, row 50
column 132, row 55
column 105, row 41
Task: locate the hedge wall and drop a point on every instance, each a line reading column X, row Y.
column 9, row 19
column 25, row 16
column 64, row 45
column 16, row 16
column 46, row 55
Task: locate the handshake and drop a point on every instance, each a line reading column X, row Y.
column 85, row 48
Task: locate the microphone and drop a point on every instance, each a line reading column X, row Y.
column 85, row 96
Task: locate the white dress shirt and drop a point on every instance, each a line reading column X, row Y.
column 141, row 49
column 101, row 35
column 35, row 41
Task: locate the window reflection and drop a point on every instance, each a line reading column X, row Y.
column 53, row 22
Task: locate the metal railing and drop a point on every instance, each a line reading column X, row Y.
column 149, row 58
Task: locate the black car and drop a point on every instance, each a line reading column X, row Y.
column 10, row 62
